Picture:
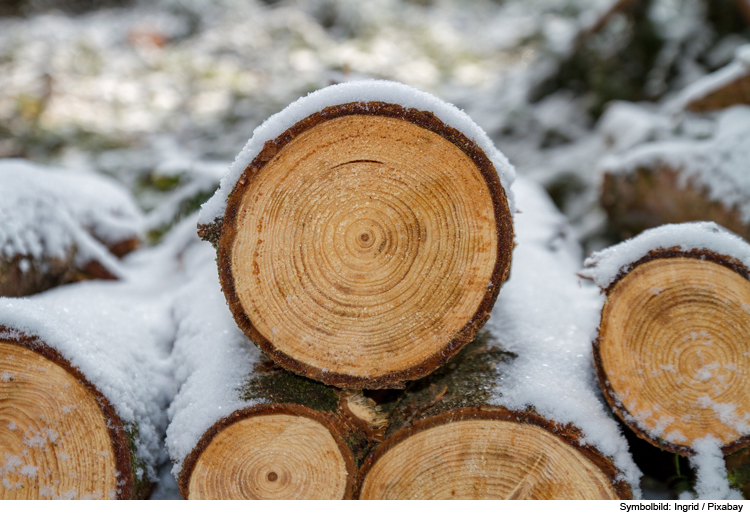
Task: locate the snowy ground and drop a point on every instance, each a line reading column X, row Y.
column 163, row 95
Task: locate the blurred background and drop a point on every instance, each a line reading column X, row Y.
column 162, row 94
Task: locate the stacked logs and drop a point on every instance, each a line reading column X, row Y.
column 362, row 238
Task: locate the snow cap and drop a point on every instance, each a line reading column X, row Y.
column 358, row 91
column 603, row 267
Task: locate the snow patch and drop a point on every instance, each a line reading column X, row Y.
column 711, row 472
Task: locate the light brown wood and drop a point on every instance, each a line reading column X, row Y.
column 276, row 456
column 54, row 441
column 485, row 459
column 364, row 248
column 674, row 351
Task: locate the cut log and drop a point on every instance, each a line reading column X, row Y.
column 723, row 88
column 245, row 428
column 445, row 442
column 367, row 242
column 682, row 181
column 82, row 414
column 57, row 227
column 672, row 353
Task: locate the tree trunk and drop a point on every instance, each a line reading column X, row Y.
column 672, row 353
column 365, row 245
column 60, row 436
column 652, row 196
column 304, row 442
column 446, row 441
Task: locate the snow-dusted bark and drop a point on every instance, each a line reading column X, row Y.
column 58, row 226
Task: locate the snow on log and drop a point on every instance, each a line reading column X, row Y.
column 85, row 380
column 445, row 441
column 682, row 181
column 244, row 428
column 59, row 226
column 535, row 354
column 672, row 353
column 721, row 89
column 363, row 234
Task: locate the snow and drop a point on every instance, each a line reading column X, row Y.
column 213, row 357
column 362, row 92
column 711, row 472
column 49, row 213
column 605, row 266
column 546, row 316
column 718, row 165
column 737, row 69
column 119, row 338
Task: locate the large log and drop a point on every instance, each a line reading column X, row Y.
column 58, row 226
column 84, row 385
column 363, row 234
column 672, row 351
column 245, row 428
column 446, row 441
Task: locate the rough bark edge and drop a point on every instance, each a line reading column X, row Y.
column 130, row 488
column 570, row 435
column 427, row 120
column 612, row 398
column 337, row 430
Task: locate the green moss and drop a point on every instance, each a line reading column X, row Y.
column 278, row 385
column 141, row 484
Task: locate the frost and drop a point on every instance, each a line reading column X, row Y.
column 606, row 265
column 546, row 316
column 50, row 213
column 362, row 92
column 711, row 472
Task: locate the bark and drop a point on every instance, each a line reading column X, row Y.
column 61, row 429
column 651, row 197
column 383, row 263
column 348, row 419
column 671, row 348
column 448, row 441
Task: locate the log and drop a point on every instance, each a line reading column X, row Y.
column 671, row 354
column 681, row 181
column 366, row 235
column 84, row 387
column 58, row 226
column 445, row 441
column 245, row 428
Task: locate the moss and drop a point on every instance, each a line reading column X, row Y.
column 278, row 385
column 185, row 208
column 141, row 484
column 468, row 380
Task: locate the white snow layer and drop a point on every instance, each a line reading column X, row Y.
column 711, row 472
column 350, row 92
column 49, row 212
column 604, row 266
column 717, row 165
column 213, row 358
column 549, row 319
column 119, row 339
column 737, row 69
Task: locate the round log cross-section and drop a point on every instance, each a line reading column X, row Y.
column 270, row 452
column 488, row 454
column 365, row 245
column 672, row 354
column 55, row 434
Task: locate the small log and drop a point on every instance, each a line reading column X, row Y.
column 723, row 88
column 58, row 226
column 365, row 245
column 672, row 352
column 303, row 445
column 445, row 441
